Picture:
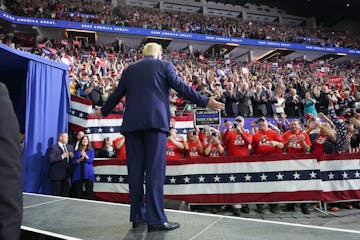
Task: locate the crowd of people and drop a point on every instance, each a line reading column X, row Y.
column 250, row 89
column 154, row 18
column 328, row 111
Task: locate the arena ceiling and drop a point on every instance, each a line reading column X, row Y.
column 326, row 12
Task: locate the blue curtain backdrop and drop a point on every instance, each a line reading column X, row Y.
column 40, row 93
column 46, row 116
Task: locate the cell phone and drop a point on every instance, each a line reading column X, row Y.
column 213, row 134
column 194, row 133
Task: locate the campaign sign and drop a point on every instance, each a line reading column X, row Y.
column 205, row 116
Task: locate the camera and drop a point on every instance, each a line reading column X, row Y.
column 194, row 133
column 235, row 124
column 213, row 134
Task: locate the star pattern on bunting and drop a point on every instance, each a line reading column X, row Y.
column 121, row 179
column 201, row 179
column 109, row 178
column 280, row 176
column 249, row 177
column 232, row 178
column 263, row 177
column 313, row 174
column 216, row 178
column 173, row 180
column 296, row 175
column 186, row 179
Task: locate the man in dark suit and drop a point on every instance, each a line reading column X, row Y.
column 146, row 85
column 60, row 159
column 10, row 170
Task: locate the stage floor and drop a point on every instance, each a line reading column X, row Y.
column 68, row 218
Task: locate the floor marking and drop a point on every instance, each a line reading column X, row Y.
column 279, row 223
column 206, row 229
column 30, row 229
column 40, row 204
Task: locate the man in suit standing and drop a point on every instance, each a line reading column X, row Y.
column 146, row 85
column 60, row 158
column 10, row 170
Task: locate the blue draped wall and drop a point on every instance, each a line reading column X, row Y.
column 42, row 111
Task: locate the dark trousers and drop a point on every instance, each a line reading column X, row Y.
column 78, row 185
column 60, row 187
column 146, row 159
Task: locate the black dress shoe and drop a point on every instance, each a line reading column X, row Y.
column 305, row 210
column 289, row 208
column 237, row 211
column 260, row 208
column 138, row 224
column 163, row 227
column 274, row 210
column 245, row 209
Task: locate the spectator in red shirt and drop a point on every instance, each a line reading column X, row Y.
column 296, row 141
column 119, row 145
column 174, row 146
column 265, row 142
column 237, row 139
column 193, row 146
column 214, row 147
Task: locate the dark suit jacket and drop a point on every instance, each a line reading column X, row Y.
column 59, row 168
column 146, row 85
column 10, row 170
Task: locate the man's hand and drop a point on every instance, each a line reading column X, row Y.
column 212, row 103
column 97, row 113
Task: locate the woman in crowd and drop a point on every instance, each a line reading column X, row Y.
column 107, row 150
column 174, row 146
column 323, row 137
column 279, row 102
column 309, row 105
column 214, row 147
column 193, row 146
column 84, row 169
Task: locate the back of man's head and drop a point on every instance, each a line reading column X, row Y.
column 152, row 50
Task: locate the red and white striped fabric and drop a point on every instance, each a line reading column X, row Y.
column 340, row 177
column 222, row 180
column 97, row 130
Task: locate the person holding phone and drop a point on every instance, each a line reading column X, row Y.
column 238, row 139
column 174, row 146
column 214, row 148
column 193, row 145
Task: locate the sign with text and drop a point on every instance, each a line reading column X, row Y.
column 205, row 116
column 169, row 34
